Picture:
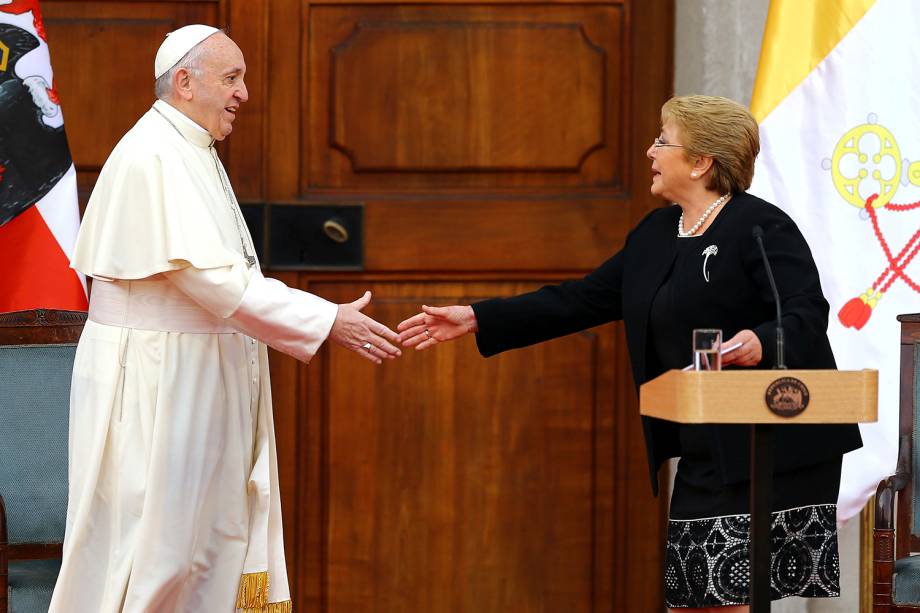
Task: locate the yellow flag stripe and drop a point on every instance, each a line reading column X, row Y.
column 798, row 35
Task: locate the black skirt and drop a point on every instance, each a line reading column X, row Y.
column 706, row 558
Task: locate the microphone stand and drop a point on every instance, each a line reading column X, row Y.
column 757, row 233
column 761, row 501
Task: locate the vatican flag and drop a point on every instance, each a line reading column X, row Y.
column 839, row 113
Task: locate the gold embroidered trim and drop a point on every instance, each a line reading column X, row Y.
column 253, row 593
column 273, row 607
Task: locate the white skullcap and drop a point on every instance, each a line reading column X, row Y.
column 177, row 44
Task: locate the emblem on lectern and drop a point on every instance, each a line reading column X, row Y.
column 787, row 397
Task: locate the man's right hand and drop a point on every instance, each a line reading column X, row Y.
column 356, row 331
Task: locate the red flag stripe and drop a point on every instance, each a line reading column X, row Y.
column 34, row 270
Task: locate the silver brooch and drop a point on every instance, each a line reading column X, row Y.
column 708, row 251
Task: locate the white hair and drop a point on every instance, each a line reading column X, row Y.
column 191, row 62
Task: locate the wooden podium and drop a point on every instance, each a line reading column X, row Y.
column 764, row 399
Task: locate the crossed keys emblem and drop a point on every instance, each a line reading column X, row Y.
column 867, row 159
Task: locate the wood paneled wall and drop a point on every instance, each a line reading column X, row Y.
column 495, row 146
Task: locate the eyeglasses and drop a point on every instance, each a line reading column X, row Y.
column 660, row 143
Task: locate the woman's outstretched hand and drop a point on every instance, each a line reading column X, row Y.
column 435, row 325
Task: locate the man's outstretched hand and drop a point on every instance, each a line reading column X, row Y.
column 356, row 331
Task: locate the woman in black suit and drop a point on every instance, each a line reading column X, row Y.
column 695, row 265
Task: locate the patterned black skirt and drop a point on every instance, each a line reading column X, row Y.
column 706, row 560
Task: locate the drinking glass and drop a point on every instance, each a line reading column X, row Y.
column 707, row 349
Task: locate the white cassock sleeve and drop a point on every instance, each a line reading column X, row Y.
column 289, row 320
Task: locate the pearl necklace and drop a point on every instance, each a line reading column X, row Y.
column 712, row 207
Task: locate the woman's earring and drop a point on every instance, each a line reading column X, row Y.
column 692, row 174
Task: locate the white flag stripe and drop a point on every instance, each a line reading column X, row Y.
column 61, row 216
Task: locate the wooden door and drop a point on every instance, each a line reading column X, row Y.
column 494, row 147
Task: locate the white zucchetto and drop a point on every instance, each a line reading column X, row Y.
column 177, row 44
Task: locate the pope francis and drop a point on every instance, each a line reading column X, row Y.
column 173, row 497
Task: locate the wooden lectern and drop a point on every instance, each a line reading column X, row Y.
column 762, row 398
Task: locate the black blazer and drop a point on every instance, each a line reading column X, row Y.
column 738, row 297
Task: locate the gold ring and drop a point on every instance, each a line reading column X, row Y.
column 427, row 333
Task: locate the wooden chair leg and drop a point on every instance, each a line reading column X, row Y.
column 882, row 569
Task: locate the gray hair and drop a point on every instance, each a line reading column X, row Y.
column 191, row 62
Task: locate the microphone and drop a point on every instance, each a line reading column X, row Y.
column 757, row 233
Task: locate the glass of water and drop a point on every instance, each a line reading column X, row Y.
column 707, row 349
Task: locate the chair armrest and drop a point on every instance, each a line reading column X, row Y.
column 883, row 532
column 884, row 495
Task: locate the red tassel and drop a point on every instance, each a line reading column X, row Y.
column 855, row 313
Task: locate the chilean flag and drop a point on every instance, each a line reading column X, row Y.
column 39, row 215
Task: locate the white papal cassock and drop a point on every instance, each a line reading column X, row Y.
column 173, row 497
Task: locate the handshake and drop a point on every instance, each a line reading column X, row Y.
column 374, row 341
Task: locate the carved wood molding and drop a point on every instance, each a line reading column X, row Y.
column 42, row 317
column 436, row 56
column 41, row 326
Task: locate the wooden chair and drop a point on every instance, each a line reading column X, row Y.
column 36, row 359
column 896, row 573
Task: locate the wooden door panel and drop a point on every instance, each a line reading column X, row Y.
column 458, row 90
column 455, row 483
column 465, row 96
column 488, row 234
column 492, row 131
